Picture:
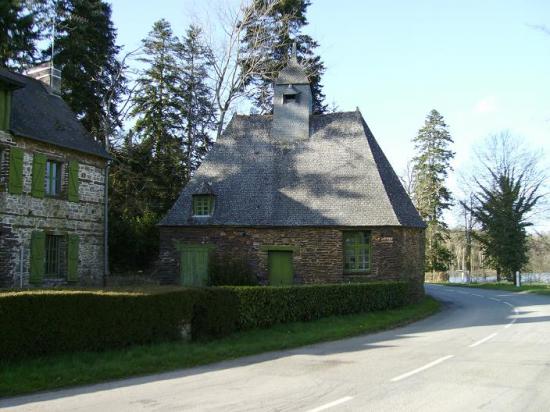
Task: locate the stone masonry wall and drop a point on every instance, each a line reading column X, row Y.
column 397, row 253
column 22, row 214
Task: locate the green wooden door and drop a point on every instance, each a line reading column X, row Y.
column 194, row 266
column 280, row 268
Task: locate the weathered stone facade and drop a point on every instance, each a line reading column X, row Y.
column 21, row 214
column 397, row 253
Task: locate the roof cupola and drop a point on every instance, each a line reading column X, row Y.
column 292, row 102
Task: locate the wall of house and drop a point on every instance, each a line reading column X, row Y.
column 23, row 214
column 397, row 253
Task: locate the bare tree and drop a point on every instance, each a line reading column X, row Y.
column 504, row 153
column 230, row 78
column 407, row 178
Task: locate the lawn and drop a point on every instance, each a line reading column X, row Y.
column 53, row 372
column 536, row 288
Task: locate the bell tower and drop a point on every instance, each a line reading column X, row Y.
column 292, row 102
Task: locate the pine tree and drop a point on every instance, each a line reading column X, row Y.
column 86, row 51
column 287, row 18
column 197, row 98
column 501, row 210
column 430, row 195
column 157, row 107
column 18, row 34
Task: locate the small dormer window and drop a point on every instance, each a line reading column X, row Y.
column 203, row 205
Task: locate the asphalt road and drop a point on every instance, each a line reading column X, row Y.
column 486, row 350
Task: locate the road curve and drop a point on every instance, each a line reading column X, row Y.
column 486, row 350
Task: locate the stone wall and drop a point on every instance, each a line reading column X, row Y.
column 22, row 214
column 397, row 253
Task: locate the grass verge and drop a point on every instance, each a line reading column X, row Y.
column 17, row 378
column 538, row 289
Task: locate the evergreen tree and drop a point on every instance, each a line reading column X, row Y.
column 85, row 51
column 157, row 107
column 197, row 98
column 501, row 210
column 430, row 195
column 287, row 18
column 18, row 34
column 173, row 112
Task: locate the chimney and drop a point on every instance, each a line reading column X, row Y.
column 47, row 74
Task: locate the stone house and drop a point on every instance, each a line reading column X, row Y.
column 52, row 186
column 301, row 198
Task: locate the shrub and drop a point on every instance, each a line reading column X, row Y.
column 265, row 306
column 228, row 271
column 215, row 313
column 46, row 322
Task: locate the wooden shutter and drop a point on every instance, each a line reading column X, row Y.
column 15, row 182
column 38, row 249
column 73, row 181
column 38, row 175
column 72, row 258
column 5, row 106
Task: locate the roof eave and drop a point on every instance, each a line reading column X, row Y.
column 104, row 155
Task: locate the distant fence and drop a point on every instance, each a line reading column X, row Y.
column 526, row 278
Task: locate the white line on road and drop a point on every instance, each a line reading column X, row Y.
column 515, row 311
column 495, row 299
column 510, row 324
column 331, row 404
column 423, row 368
column 485, row 339
column 479, row 296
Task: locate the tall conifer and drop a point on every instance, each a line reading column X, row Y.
column 198, row 113
column 430, row 193
column 86, row 52
column 18, row 34
column 157, row 108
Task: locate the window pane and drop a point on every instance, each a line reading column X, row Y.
column 202, row 205
column 53, row 178
column 356, row 251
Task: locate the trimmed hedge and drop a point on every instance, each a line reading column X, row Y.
column 38, row 323
column 46, row 322
column 261, row 307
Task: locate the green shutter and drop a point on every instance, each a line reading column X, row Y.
column 38, row 175
column 15, row 182
column 72, row 258
column 73, row 181
column 5, row 106
column 38, row 249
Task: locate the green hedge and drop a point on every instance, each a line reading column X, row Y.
column 46, row 322
column 261, row 307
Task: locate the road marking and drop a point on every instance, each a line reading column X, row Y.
column 485, row 339
column 423, row 368
column 331, row 404
column 510, row 324
column 495, row 299
column 515, row 312
column 479, row 296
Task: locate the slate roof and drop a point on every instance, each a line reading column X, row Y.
column 38, row 114
column 293, row 73
column 338, row 177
